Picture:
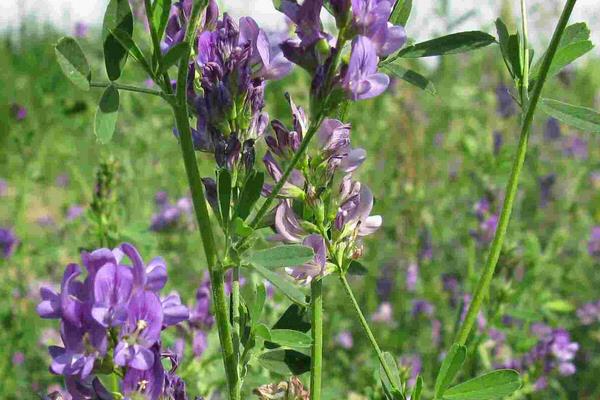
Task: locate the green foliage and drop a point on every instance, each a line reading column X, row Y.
column 493, row 385
column 117, row 16
column 73, row 63
column 454, row 43
column 582, row 118
column 106, row 115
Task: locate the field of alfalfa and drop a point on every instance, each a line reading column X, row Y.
column 437, row 166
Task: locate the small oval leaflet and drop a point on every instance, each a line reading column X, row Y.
column 73, row 63
column 106, row 115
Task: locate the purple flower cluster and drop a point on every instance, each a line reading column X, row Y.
column 8, row 242
column 589, row 313
column 505, row 105
column 576, row 147
column 114, row 316
column 554, row 350
column 344, row 212
column 201, row 320
column 234, row 61
column 546, row 183
column 171, row 216
column 488, row 222
column 345, row 340
column 18, row 111
column 363, row 23
column 594, row 242
column 552, row 129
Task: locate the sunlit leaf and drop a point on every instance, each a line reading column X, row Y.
column 106, row 115
column 450, row 368
column 494, row 385
column 73, row 63
column 582, row 118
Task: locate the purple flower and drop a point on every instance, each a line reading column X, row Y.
column 414, row 364
column 498, row 140
column 576, row 147
column 3, row 187
column 383, row 314
column 113, row 286
column 593, row 243
column 422, row 307
column 552, row 129
column 75, row 211
column 149, row 382
column 505, row 103
column 362, row 81
column 267, row 63
column 45, row 221
column 334, row 139
column 385, row 282
column 436, row 332
column 18, row 358
column 18, row 111
column 345, row 340
column 546, row 183
column 589, row 313
column 63, row 180
column 78, row 355
column 171, row 216
column 66, row 304
column 81, row 29
column 201, row 320
column 354, row 212
column 412, row 275
column 287, row 224
column 8, row 242
column 173, row 311
column 140, row 332
column 371, row 20
column 305, row 273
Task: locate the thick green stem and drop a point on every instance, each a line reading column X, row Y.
column 180, row 109
column 511, row 188
column 129, row 88
column 367, row 329
column 316, row 367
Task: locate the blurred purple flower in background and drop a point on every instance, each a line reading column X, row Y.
column 18, row 111
column 414, row 364
column 498, row 141
column 552, row 129
column 345, row 340
column 63, row 180
column 81, row 30
column 75, row 211
column 386, row 282
column 3, row 187
column 576, row 147
column 171, row 216
column 594, row 242
column 412, row 276
column 505, row 105
column 546, row 183
column 8, row 242
column 201, row 320
column 422, row 307
column 589, row 313
column 384, row 313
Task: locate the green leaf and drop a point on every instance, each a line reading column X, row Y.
column 582, row 118
column 128, row 43
column 250, row 194
column 241, row 228
column 494, row 385
column 285, row 362
column 416, row 392
column 391, row 388
column 503, row 39
column 282, row 283
column 295, row 318
column 174, row 55
column 290, row 338
column 514, row 55
column 450, row 367
column 573, row 44
column 73, row 63
column 117, row 16
column 454, row 43
column 356, row 268
column 281, row 256
column 401, row 12
column 410, row 76
column 106, row 115
column 224, row 193
column 261, row 330
column 561, row 306
column 260, row 295
column 160, row 16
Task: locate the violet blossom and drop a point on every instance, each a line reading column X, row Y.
column 593, row 242
column 8, row 242
column 362, row 81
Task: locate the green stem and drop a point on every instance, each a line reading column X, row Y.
column 129, row 88
column 367, row 329
column 316, row 367
column 235, row 310
column 525, row 52
column 513, row 182
column 180, row 109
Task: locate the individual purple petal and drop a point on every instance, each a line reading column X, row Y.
column 287, row 224
column 113, row 286
column 173, row 311
column 147, row 382
column 307, row 272
column 362, row 81
column 156, row 274
column 353, row 160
